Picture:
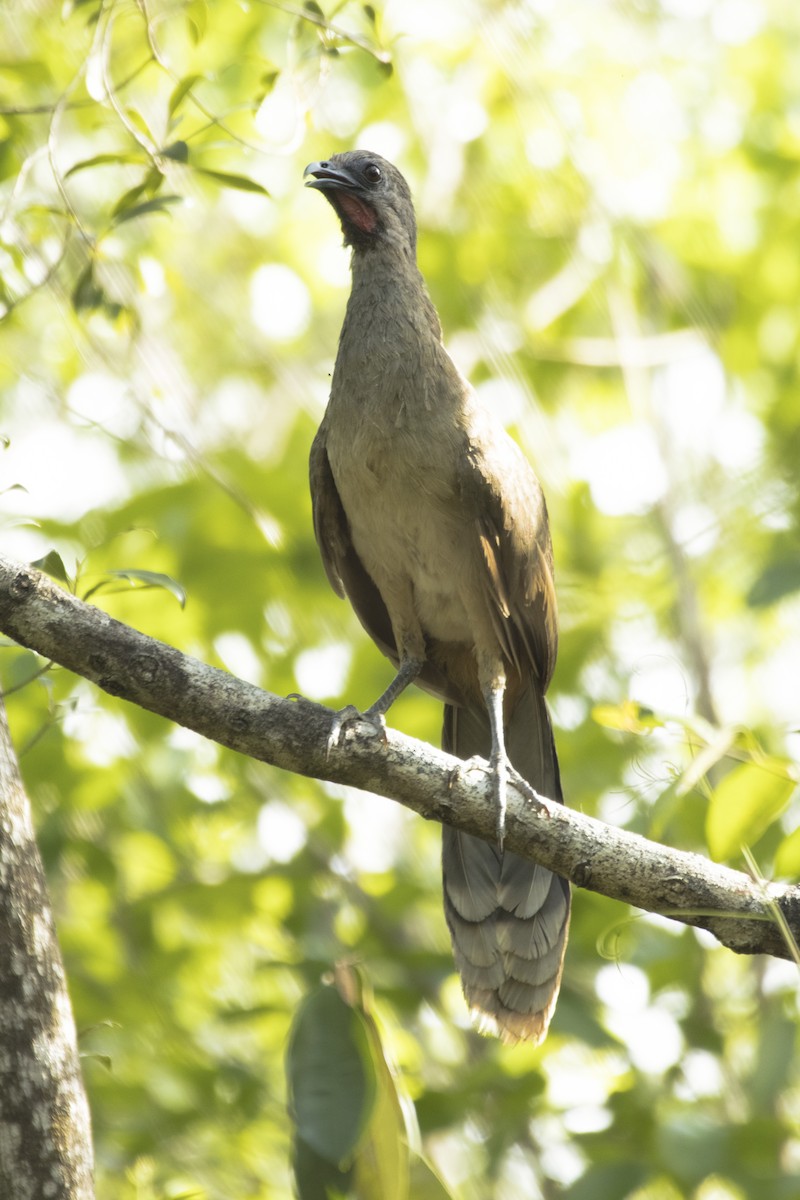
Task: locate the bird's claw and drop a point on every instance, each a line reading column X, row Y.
column 527, row 790
column 503, row 773
column 347, row 718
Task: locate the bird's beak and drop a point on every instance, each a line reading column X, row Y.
column 328, row 178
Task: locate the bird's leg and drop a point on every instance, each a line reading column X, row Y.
column 408, row 672
column 410, row 642
column 498, row 759
column 501, row 765
column 374, row 715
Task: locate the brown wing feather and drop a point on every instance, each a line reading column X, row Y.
column 347, row 574
column 497, row 481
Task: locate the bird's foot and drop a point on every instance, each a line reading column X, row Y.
column 462, row 768
column 347, row 718
column 527, row 790
column 504, row 773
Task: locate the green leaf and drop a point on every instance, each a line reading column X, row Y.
column 177, row 151
column 148, row 579
column 316, row 1178
column 136, row 118
column 381, row 1167
column 331, row 1076
column 745, row 804
column 101, row 160
column 87, row 293
column 148, row 187
column 196, row 14
column 52, row 564
column 180, row 90
column 241, row 182
column 425, row 1184
column 787, row 857
column 158, row 205
column 628, row 717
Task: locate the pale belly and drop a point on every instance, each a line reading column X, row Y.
column 409, row 528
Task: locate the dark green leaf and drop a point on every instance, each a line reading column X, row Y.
column 233, row 181
column 777, row 580
column 178, row 151
column 101, row 160
column 87, row 293
column 159, row 205
column 53, row 565
column 148, row 187
column 331, row 1076
column 317, row 1178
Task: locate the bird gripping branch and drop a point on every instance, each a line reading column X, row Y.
column 432, row 523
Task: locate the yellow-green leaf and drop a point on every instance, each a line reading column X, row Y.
column 628, row 717
column 745, row 804
column 381, row 1166
column 787, row 858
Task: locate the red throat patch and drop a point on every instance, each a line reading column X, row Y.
column 356, row 212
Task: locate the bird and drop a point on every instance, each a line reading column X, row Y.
column 432, row 523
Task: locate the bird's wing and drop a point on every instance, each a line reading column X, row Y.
column 500, row 489
column 345, row 570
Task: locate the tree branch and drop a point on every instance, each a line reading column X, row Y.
column 292, row 734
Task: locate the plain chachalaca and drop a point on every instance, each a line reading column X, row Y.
column 430, row 520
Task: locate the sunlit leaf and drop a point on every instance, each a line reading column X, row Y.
column 382, row 1161
column 745, row 804
column 136, row 118
column 787, row 857
column 196, row 13
column 148, row 579
column 628, row 717
column 424, row 1183
column 180, row 91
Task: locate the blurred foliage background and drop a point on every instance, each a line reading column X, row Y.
column 608, row 194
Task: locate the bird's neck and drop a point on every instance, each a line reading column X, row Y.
column 389, row 297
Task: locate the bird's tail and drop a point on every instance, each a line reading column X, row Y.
column 508, row 917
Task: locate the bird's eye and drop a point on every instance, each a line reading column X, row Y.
column 373, row 173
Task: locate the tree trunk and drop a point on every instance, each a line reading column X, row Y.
column 45, row 1133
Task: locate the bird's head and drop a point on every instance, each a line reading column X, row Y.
column 371, row 199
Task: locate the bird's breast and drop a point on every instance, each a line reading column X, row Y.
column 406, row 522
